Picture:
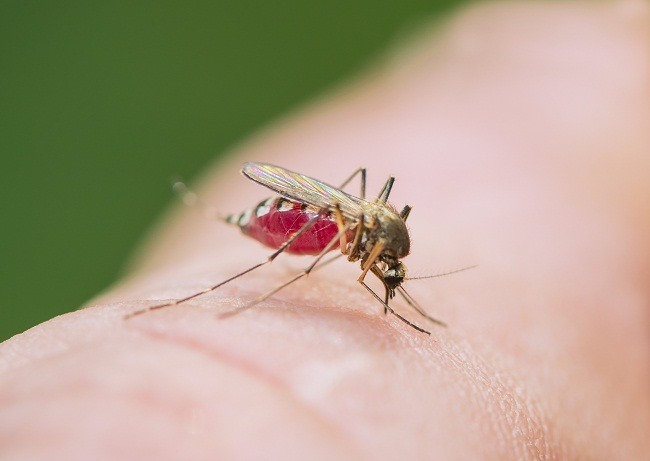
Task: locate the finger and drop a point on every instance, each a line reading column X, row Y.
column 502, row 381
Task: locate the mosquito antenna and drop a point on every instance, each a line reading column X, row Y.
column 455, row 271
column 416, row 306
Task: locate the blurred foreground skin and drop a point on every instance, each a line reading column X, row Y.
column 520, row 134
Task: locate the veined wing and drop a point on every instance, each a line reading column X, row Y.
column 303, row 188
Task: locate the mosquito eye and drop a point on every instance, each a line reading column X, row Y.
column 393, row 277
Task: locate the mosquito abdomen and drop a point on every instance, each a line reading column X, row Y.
column 273, row 221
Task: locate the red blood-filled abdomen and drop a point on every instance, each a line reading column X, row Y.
column 274, row 221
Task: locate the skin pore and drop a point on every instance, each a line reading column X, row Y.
column 520, row 134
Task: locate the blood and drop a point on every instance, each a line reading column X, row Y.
column 273, row 223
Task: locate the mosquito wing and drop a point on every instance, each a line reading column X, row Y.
column 304, row 189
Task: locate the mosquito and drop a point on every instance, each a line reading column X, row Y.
column 310, row 217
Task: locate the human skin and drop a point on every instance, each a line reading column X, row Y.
column 520, row 133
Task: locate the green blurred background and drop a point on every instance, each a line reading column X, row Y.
column 103, row 102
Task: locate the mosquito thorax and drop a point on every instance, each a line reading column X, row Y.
column 388, row 227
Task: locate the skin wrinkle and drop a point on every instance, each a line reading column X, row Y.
column 522, row 430
column 247, row 367
column 59, row 335
column 275, row 369
column 507, row 409
column 158, row 399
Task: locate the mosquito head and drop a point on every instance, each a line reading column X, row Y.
column 395, row 274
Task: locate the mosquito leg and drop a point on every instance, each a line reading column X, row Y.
column 353, row 254
column 295, row 278
column 409, row 299
column 192, row 199
column 385, row 191
column 269, row 259
column 390, row 309
column 377, row 273
column 195, row 295
column 361, row 171
column 411, row 302
column 404, row 214
column 340, row 222
column 372, row 257
column 386, row 298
